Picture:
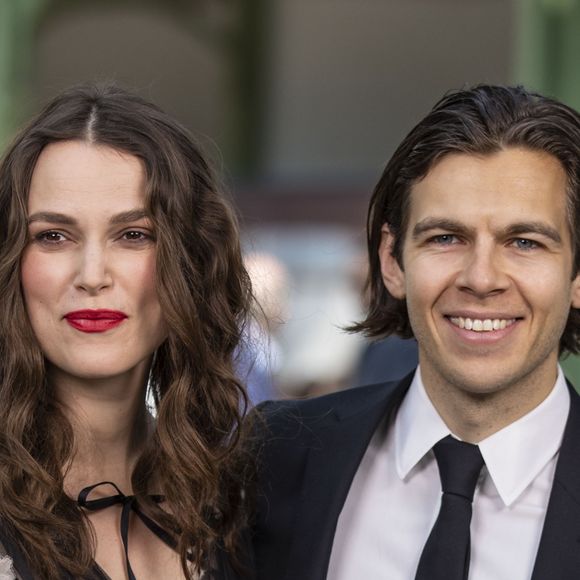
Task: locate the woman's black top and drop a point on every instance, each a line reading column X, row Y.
column 221, row 571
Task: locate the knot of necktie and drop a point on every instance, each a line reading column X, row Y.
column 459, row 464
column 130, row 504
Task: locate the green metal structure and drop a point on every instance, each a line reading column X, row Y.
column 243, row 39
column 548, row 60
column 548, row 48
column 18, row 22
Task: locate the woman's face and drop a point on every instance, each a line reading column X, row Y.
column 88, row 272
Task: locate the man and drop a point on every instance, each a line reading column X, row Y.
column 474, row 233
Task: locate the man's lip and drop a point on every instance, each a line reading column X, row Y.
column 95, row 314
column 481, row 338
column 482, row 315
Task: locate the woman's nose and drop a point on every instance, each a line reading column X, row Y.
column 93, row 272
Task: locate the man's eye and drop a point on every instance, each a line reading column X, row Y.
column 444, row 239
column 525, row 244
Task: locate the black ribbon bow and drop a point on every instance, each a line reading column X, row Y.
column 130, row 504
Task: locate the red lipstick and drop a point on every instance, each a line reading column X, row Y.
column 95, row 320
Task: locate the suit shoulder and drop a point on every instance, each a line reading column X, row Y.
column 286, row 415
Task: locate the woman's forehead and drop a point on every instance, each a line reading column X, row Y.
column 79, row 176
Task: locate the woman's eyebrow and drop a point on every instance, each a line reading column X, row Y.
column 52, row 217
column 133, row 215
column 124, row 217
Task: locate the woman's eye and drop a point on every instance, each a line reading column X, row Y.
column 50, row 238
column 136, row 236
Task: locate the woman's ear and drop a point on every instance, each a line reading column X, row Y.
column 575, row 293
column 393, row 275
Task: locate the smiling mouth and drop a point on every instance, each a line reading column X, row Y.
column 481, row 324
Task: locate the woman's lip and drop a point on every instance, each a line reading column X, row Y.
column 96, row 314
column 92, row 321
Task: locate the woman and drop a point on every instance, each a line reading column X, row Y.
column 120, row 268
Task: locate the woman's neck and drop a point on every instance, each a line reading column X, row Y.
column 111, row 425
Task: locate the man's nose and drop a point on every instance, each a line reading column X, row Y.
column 482, row 272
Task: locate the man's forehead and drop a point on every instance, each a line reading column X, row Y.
column 497, row 192
column 453, row 161
column 509, row 177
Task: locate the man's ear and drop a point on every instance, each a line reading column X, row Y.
column 393, row 276
column 576, row 291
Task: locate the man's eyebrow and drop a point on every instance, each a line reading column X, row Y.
column 541, row 228
column 124, row 217
column 429, row 224
column 517, row 229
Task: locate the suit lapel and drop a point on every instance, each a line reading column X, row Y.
column 334, row 456
column 558, row 555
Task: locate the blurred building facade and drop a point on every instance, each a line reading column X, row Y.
column 300, row 103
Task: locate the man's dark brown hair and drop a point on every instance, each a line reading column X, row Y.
column 481, row 120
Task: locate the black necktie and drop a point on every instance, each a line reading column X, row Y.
column 446, row 553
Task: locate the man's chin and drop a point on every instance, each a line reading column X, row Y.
column 480, row 379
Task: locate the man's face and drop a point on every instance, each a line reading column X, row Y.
column 487, row 270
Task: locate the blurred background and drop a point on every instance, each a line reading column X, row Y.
column 299, row 103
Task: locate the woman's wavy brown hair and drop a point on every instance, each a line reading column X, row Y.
column 478, row 121
column 195, row 457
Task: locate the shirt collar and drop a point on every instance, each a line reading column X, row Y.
column 412, row 443
column 514, row 456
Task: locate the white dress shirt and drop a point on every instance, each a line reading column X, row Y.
column 395, row 496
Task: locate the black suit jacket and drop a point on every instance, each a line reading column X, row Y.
column 310, row 453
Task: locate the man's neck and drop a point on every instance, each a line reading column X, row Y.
column 475, row 416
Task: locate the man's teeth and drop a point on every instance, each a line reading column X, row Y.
column 482, row 325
